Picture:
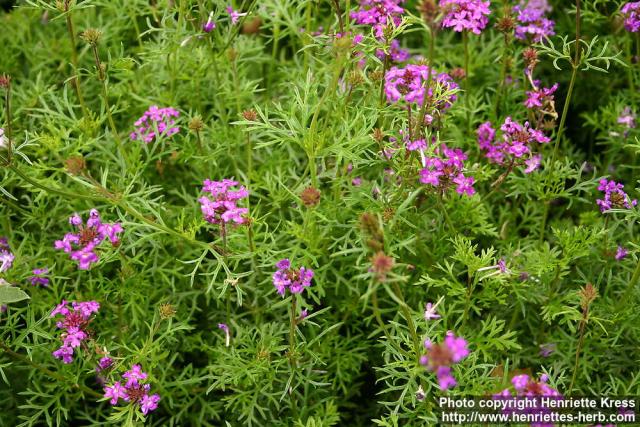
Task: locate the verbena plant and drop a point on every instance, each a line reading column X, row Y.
column 314, row 213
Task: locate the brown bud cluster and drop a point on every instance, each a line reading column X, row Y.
column 587, row 295
column 75, row 165
column 166, row 311
column 371, row 227
column 91, row 36
column 250, row 115
column 310, row 197
column 381, row 265
column 196, row 124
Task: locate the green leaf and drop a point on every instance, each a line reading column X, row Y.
column 9, row 294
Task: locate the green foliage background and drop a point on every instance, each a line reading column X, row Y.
column 311, row 125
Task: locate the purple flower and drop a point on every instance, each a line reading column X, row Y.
column 396, row 53
column 447, row 170
column 220, row 205
column 75, row 322
column 149, row 403
column 227, row 333
column 614, row 196
column 532, row 22
column 465, row 15
column 104, row 363
column 234, row 15
column 6, row 257
column 408, row 84
column 440, row 358
column 621, row 253
column 208, row 26
column 378, row 14
column 540, row 97
column 631, row 14
column 547, row 349
column 38, row 279
column 134, row 375
column 430, row 312
column 628, row 119
column 134, row 391
column 515, row 146
column 155, row 122
column 87, row 238
column 115, row 392
column 296, row 280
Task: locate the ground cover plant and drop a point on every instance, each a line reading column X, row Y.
column 314, row 213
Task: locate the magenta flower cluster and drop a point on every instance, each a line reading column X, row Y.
column 155, row 122
column 396, row 53
column 82, row 245
column 378, row 14
column 525, row 386
column 39, row 277
column 286, row 277
column 6, row 256
column 515, row 146
column 614, row 196
column 631, row 14
column 440, row 358
column 220, row 206
column 465, row 15
column 408, row 84
column 75, row 322
column 134, row 390
column 540, row 96
column 446, row 169
column 532, row 20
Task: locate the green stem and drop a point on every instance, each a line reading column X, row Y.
column 631, row 285
column 583, row 323
column 105, row 94
column 543, row 224
column 467, row 86
column 74, row 59
column 407, row 315
column 47, row 371
column 7, row 103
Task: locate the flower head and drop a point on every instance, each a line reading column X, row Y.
column 39, row 278
column 614, row 196
column 631, row 13
column 430, row 312
column 134, row 391
column 446, row 171
column 440, row 357
column 6, row 256
column 74, row 325
column 532, row 21
column 378, row 14
column 295, row 280
column 220, row 205
column 408, row 84
column 154, row 123
column 621, row 253
column 81, row 246
column 234, row 15
column 208, row 26
column 465, row 15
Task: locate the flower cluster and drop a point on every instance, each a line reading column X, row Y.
column 396, row 53
column 208, row 26
column 631, row 13
column 155, row 122
column 525, row 386
column 221, row 205
column 540, row 97
column 87, row 238
column 378, row 14
column 461, row 15
column 408, row 84
column 75, row 323
column 627, row 119
column 39, row 278
column 296, row 280
column 6, row 256
column 440, row 358
column 234, row 15
column 446, row 170
column 532, row 20
column 515, row 146
column 614, row 196
column 134, row 391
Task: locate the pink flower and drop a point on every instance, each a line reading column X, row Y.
column 115, row 392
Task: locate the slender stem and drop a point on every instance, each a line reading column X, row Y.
column 74, row 58
column 7, row 103
column 583, row 323
column 385, row 67
column 628, row 46
column 105, row 94
column 336, row 3
column 407, row 315
column 292, row 351
column 47, row 371
column 631, row 285
column 426, row 99
column 446, row 215
column 543, row 224
column 377, row 315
